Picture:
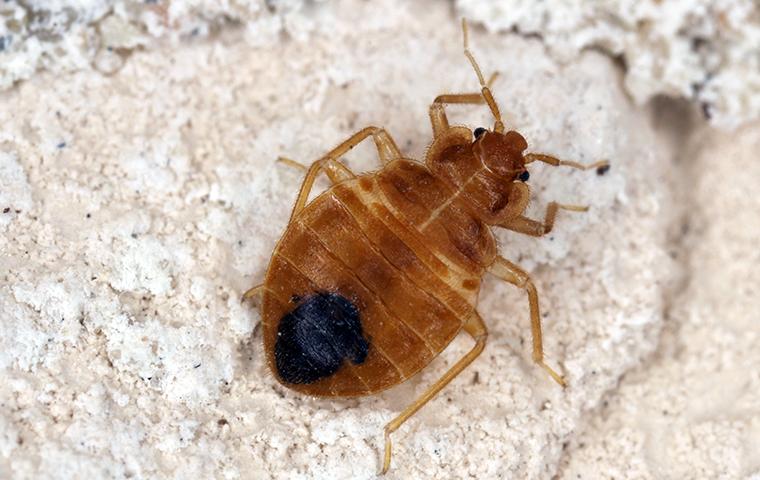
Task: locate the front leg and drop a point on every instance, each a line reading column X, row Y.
column 519, row 196
column 535, row 228
column 509, row 272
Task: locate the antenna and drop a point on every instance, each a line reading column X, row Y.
column 484, row 89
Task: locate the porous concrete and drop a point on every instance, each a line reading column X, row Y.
column 693, row 410
column 706, row 51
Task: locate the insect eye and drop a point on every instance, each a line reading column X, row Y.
column 524, row 176
column 479, row 131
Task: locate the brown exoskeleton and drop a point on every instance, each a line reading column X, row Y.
column 376, row 276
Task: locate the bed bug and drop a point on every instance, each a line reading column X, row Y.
column 376, row 276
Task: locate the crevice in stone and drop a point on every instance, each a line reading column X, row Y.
column 677, row 122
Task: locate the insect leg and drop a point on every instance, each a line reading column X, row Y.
column 252, row 292
column 335, row 170
column 477, row 329
column 292, row 163
column 556, row 162
column 509, row 272
column 386, row 147
column 534, row 228
column 438, row 114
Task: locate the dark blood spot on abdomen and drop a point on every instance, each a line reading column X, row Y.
column 316, row 338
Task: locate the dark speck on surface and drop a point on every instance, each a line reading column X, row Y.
column 6, row 209
column 61, row 145
column 602, row 170
column 707, row 110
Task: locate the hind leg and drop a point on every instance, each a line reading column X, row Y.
column 477, row 329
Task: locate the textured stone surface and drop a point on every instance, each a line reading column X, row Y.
column 71, row 35
column 704, row 51
column 136, row 207
column 693, row 411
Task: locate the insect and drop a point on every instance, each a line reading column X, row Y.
column 376, row 276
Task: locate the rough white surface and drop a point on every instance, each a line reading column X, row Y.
column 141, row 205
column 693, row 411
column 707, row 51
column 70, row 35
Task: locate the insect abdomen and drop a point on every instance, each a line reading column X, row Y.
column 407, row 313
column 314, row 340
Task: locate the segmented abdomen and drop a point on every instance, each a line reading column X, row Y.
column 411, row 297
